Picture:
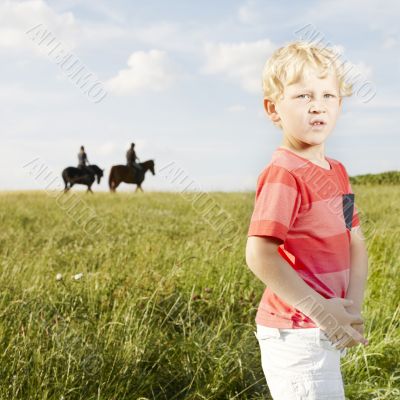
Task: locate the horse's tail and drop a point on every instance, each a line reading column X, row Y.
column 111, row 179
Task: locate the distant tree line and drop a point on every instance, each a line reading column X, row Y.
column 384, row 178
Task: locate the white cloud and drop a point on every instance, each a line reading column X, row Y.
column 240, row 62
column 359, row 69
column 163, row 34
column 365, row 124
column 390, row 42
column 106, row 149
column 18, row 17
column 247, row 13
column 380, row 102
column 374, row 14
column 147, row 70
column 262, row 16
column 17, row 94
column 359, row 74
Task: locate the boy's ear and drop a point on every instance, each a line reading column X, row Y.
column 270, row 109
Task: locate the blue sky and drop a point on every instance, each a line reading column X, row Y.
column 182, row 79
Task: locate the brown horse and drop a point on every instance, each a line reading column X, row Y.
column 127, row 174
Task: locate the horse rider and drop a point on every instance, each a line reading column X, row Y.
column 82, row 159
column 131, row 158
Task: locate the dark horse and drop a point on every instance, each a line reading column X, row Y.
column 85, row 176
column 123, row 173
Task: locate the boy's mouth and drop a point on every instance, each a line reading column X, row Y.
column 317, row 121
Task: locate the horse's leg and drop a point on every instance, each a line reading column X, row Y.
column 140, row 187
column 65, row 183
column 112, row 186
column 90, row 189
column 116, row 184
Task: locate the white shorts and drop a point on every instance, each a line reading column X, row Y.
column 300, row 364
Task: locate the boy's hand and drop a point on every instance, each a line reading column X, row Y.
column 347, row 340
column 339, row 323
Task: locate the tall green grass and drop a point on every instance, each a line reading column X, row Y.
column 165, row 308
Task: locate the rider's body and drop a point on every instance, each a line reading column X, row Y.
column 82, row 159
column 131, row 158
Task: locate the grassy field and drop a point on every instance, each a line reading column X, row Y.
column 166, row 304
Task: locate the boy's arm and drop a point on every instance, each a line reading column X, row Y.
column 358, row 269
column 264, row 261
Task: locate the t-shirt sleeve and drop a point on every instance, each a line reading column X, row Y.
column 356, row 219
column 276, row 205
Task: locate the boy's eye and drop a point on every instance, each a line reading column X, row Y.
column 327, row 94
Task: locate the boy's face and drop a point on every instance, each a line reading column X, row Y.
column 309, row 99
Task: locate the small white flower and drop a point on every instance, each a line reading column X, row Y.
column 59, row 277
column 78, row 276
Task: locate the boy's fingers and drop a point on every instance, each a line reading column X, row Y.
column 349, row 342
column 357, row 336
column 356, row 319
column 344, row 341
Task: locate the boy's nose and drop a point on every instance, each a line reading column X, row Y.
column 317, row 107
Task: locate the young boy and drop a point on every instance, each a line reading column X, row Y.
column 304, row 239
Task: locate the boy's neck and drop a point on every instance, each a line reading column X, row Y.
column 316, row 152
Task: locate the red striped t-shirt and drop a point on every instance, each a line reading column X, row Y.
column 312, row 210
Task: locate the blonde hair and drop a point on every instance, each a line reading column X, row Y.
column 290, row 63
